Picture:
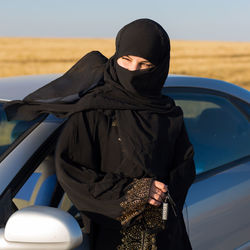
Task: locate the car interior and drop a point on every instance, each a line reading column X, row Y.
column 42, row 188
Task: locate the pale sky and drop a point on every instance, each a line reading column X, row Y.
column 218, row 20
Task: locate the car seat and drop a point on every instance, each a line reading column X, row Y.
column 216, row 124
column 39, row 188
column 42, row 188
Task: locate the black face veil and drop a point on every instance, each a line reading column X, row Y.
column 147, row 39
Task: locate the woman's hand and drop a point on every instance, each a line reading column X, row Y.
column 157, row 193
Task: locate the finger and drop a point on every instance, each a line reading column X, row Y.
column 154, row 202
column 156, row 191
column 162, row 194
column 161, row 186
column 157, row 197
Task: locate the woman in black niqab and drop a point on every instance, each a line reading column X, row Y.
column 117, row 151
column 146, row 39
column 124, row 144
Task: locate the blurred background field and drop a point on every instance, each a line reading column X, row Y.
column 229, row 61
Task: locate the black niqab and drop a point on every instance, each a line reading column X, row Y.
column 144, row 38
column 147, row 39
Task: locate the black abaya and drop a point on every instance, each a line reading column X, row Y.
column 93, row 171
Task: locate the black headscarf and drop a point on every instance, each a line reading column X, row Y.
column 147, row 39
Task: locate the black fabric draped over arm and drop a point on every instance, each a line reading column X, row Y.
column 78, row 165
column 88, row 160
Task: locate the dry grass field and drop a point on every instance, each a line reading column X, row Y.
column 228, row 61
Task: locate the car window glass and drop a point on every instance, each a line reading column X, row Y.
column 10, row 131
column 218, row 130
column 41, row 188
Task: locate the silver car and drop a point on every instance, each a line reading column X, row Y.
column 217, row 207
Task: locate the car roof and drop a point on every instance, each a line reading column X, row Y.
column 209, row 84
column 16, row 88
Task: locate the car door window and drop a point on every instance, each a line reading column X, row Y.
column 218, row 130
column 43, row 189
column 10, row 131
column 39, row 187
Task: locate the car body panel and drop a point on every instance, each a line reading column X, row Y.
column 221, row 210
column 209, row 84
column 9, row 85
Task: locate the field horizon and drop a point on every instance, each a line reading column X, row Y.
column 228, row 61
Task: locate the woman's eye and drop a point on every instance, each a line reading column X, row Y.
column 147, row 65
column 126, row 58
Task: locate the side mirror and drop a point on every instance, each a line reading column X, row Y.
column 39, row 227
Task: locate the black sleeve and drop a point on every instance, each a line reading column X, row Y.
column 183, row 172
column 78, row 170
